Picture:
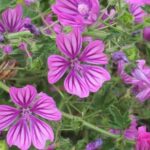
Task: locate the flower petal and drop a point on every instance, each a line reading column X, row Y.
column 57, row 67
column 70, row 44
column 45, row 107
column 143, row 95
column 76, row 85
column 139, row 75
column 7, row 116
column 12, row 18
column 93, row 53
column 40, row 132
column 23, row 96
column 19, row 135
column 95, row 76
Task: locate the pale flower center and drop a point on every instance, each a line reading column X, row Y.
column 75, row 63
column 26, row 112
column 83, row 9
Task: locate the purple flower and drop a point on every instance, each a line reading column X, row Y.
column 138, row 13
column 143, row 139
column 7, row 49
column 76, row 12
column 12, row 20
column 25, row 127
column 140, row 80
column 84, row 73
column 94, row 145
column 146, row 33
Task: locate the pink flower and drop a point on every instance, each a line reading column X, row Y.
column 12, row 20
column 140, row 80
column 143, row 139
column 25, row 127
column 84, row 73
column 76, row 12
column 138, row 13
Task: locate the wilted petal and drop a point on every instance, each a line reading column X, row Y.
column 93, row 53
column 57, row 67
column 19, row 135
column 76, row 85
column 23, row 96
column 70, row 44
column 12, row 18
column 95, row 76
column 7, row 116
column 40, row 132
column 143, row 95
column 45, row 107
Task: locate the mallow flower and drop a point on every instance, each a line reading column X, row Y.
column 85, row 74
column 139, row 79
column 24, row 123
column 143, row 139
column 12, row 20
column 76, row 12
column 137, row 12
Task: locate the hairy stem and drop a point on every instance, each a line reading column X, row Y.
column 4, row 87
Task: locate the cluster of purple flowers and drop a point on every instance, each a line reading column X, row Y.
column 85, row 67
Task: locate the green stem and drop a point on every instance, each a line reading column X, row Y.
column 18, row 35
column 91, row 126
column 4, row 87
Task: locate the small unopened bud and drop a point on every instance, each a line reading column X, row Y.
column 7, row 49
column 119, row 55
column 23, row 46
column 32, row 28
column 94, row 145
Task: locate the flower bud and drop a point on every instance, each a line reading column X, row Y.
column 23, row 46
column 94, row 145
column 7, row 49
column 119, row 55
